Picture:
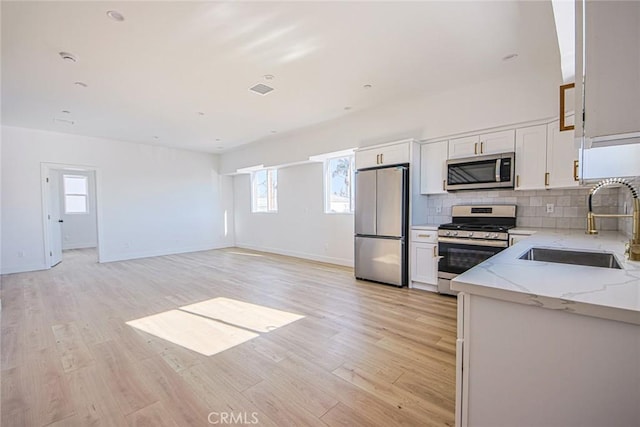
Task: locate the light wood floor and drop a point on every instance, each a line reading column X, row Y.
column 364, row 354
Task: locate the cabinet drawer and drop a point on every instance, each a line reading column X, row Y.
column 424, row 236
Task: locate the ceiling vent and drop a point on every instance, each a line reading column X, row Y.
column 261, row 89
column 64, row 121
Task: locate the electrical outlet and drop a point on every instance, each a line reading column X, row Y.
column 549, row 207
column 21, row 254
column 439, row 209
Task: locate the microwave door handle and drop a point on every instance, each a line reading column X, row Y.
column 498, row 167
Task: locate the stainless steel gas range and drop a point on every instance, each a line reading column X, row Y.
column 475, row 234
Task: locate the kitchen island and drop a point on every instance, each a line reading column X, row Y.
column 551, row 344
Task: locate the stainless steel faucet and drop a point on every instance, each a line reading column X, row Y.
column 633, row 247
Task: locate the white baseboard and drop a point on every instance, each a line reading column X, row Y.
column 12, row 269
column 159, row 252
column 86, row 245
column 304, row 255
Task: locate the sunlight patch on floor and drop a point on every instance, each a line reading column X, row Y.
column 215, row 325
column 250, row 316
column 196, row 333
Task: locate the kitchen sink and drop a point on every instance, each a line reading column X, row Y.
column 562, row 256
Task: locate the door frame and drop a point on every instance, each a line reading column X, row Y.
column 45, row 170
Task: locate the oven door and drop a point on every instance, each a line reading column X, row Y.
column 459, row 255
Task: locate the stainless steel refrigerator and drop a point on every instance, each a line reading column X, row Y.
column 381, row 224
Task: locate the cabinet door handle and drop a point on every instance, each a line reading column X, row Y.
column 481, row 147
column 377, row 159
column 444, row 185
column 475, row 148
column 511, row 242
column 563, row 89
column 381, row 158
column 435, row 251
column 517, row 180
column 424, row 235
column 546, row 179
column 575, row 170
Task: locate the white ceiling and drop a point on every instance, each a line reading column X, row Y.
column 151, row 74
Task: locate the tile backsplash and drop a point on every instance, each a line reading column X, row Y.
column 569, row 206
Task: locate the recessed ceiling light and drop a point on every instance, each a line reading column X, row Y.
column 68, row 57
column 64, row 121
column 347, row 108
column 218, row 139
column 200, row 113
column 115, row 15
column 274, row 131
column 367, row 86
column 509, row 56
column 269, row 76
column 156, row 137
column 66, row 111
column 82, row 84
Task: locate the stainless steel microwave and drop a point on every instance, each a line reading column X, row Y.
column 481, row 172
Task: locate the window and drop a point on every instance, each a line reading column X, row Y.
column 75, row 194
column 339, row 179
column 264, row 190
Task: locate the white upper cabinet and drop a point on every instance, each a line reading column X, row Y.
column 383, row 155
column 477, row 145
column 562, row 158
column 612, row 161
column 545, row 158
column 531, row 157
column 433, row 173
column 611, row 71
column 464, row 147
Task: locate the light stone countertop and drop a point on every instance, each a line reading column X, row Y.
column 592, row 291
column 432, row 227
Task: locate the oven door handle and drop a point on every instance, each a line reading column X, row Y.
column 474, row 242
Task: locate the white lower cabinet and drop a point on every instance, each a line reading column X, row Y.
column 517, row 235
column 423, row 259
column 524, row 365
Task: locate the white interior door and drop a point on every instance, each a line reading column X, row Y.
column 54, row 217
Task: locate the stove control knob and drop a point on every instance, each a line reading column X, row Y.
column 447, row 233
column 471, row 234
column 494, row 235
column 486, row 234
column 455, row 233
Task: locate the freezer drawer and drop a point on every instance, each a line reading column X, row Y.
column 380, row 260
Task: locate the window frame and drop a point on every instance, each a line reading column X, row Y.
column 327, row 185
column 272, row 191
column 66, row 194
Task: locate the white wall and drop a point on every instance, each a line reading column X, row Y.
column 300, row 228
column 79, row 230
column 151, row 200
